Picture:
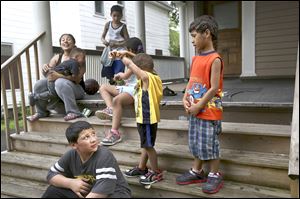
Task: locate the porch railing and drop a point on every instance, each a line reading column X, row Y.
column 8, row 64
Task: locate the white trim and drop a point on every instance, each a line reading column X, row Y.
column 59, row 167
column 162, row 4
column 107, row 176
column 110, row 169
column 248, row 39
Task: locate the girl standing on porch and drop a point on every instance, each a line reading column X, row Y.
column 118, row 35
column 66, row 90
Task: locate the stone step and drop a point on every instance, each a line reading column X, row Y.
column 238, row 136
column 31, row 184
column 243, row 166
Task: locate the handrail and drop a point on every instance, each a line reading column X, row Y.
column 14, row 57
column 8, row 64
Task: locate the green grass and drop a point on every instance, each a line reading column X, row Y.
column 11, row 125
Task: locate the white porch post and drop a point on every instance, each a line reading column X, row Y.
column 140, row 22
column 184, row 42
column 42, row 22
column 182, row 28
column 248, row 39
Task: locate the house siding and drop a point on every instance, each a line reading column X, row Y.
column 157, row 29
column 277, row 36
column 77, row 18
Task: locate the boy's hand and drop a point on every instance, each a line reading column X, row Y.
column 118, row 54
column 80, row 187
column 106, row 43
column 194, row 109
column 186, row 104
column 118, row 76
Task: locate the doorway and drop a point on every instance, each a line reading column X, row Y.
column 228, row 16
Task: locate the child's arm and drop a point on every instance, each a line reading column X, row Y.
column 194, row 109
column 125, row 75
column 51, row 64
column 185, row 101
column 140, row 74
column 78, row 186
column 106, row 43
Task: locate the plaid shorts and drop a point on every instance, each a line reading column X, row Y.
column 203, row 138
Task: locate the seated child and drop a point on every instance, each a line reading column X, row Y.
column 88, row 170
column 69, row 69
column 116, row 97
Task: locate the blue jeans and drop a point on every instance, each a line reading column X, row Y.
column 115, row 68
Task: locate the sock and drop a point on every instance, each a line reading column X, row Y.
column 115, row 131
column 196, row 171
column 212, row 174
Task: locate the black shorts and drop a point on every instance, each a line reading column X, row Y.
column 147, row 134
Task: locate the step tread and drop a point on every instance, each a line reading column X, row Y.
column 227, row 127
column 25, row 188
column 229, row 190
column 224, row 103
column 28, row 159
column 271, row 160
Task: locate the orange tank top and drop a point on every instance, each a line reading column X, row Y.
column 199, row 84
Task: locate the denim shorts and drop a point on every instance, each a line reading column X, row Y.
column 204, row 138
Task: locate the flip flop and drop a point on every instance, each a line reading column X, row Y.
column 71, row 116
column 34, row 117
column 169, row 92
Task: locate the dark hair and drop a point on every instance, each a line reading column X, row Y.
column 142, row 60
column 75, row 51
column 72, row 37
column 73, row 131
column 91, row 86
column 204, row 22
column 116, row 8
column 135, row 45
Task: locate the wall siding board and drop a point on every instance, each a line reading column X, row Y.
column 275, row 47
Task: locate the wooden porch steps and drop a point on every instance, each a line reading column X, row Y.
column 239, row 136
column 252, row 166
column 260, row 168
column 32, row 183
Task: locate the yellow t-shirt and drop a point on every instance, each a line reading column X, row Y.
column 147, row 101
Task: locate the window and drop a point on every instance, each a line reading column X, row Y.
column 158, row 52
column 99, row 7
column 227, row 15
column 6, row 53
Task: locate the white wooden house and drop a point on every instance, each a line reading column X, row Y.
column 85, row 20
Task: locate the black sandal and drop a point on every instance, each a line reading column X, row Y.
column 169, row 92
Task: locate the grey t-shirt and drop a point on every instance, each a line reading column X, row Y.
column 101, row 169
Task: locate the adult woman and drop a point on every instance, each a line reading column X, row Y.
column 66, row 90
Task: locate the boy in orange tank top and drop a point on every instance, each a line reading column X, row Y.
column 202, row 101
